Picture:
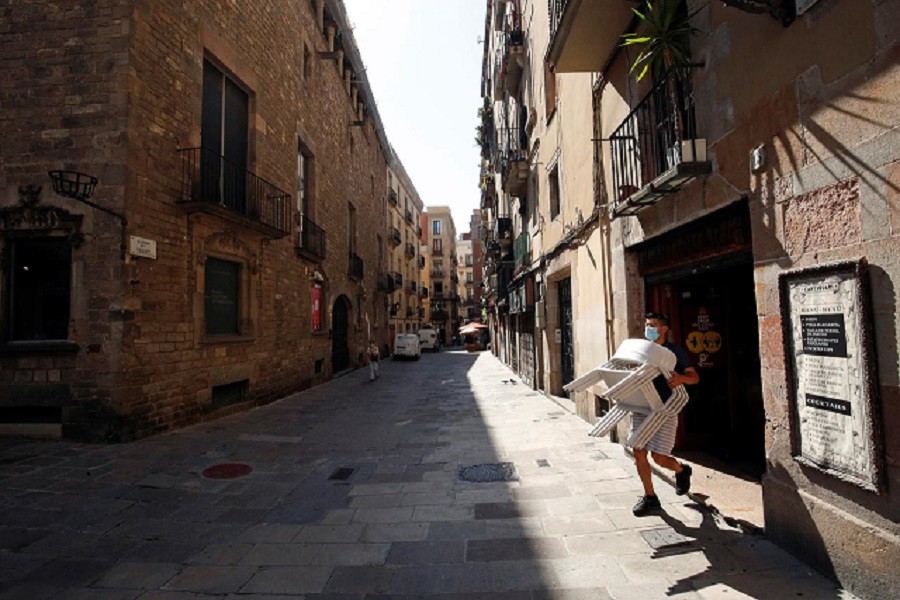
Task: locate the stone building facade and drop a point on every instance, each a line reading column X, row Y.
column 770, row 157
column 403, row 280
column 443, row 300
column 241, row 146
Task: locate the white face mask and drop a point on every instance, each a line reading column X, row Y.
column 651, row 333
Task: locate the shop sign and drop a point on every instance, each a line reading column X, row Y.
column 831, row 364
column 704, row 340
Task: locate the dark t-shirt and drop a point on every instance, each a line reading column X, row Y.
column 682, row 363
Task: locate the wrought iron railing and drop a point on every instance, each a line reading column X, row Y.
column 410, row 250
column 503, row 229
column 409, row 216
column 439, row 273
column 411, row 287
column 355, row 267
column 208, row 178
column 439, row 315
column 395, row 237
column 653, row 138
column 421, row 261
column 392, row 196
column 556, row 10
column 522, row 250
column 312, row 237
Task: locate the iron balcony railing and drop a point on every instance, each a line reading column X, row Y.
column 395, row 237
column 454, row 278
column 437, row 296
column 556, row 10
column 439, row 315
column 411, row 287
column 658, row 135
column 395, row 280
column 439, row 273
column 409, row 216
column 503, row 229
column 312, row 238
column 437, row 251
column 410, row 312
column 355, row 267
column 392, row 196
column 423, row 291
column 522, row 250
column 210, row 179
column 421, row 262
column 410, row 250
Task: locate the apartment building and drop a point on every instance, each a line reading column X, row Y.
column 748, row 191
column 465, row 273
column 406, row 263
column 475, row 227
column 443, row 300
column 209, row 235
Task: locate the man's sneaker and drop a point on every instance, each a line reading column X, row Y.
column 683, row 480
column 646, row 505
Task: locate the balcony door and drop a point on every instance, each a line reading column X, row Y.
column 224, row 138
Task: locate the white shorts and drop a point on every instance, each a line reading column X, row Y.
column 664, row 440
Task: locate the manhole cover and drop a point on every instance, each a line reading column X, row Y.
column 227, row 471
column 488, row 472
column 665, row 537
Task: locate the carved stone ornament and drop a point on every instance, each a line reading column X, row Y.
column 226, row 242
column 31, row 216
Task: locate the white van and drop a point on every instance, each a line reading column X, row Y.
column 428, row 339
column 407, row 345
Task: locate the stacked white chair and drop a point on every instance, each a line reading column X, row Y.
column 629, row 376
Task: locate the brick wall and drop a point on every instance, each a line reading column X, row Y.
column 126, row 86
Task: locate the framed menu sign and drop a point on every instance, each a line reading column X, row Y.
column 832, row 381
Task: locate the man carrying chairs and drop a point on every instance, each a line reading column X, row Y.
column 646, row 379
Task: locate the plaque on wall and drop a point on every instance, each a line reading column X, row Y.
column 832, row 381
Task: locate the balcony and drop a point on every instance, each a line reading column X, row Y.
column 411, row 287
column 212, row 184
column 355, row 267
column 437, row 273
column 311, row 241
column 513, row 152
column 522, row 251
column 423, row 292
column 437, row 296
column 410, row 313
column 454, row 278
column 392, row 197
column 421, row 262
column 585, row 33
column 655, row 150
column 394, row 237
column 500, row 280
column 410, row 250
column 503, row 232
column 439, row 315
column 437, row 251
column 395, row 281
column 408, row 216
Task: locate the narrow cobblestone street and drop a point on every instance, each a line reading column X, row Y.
column 141, row 521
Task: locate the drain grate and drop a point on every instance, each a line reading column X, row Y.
column 488, row 473
column 341, row 474
column 666, row 537
column 227, row 471
column 542, row 462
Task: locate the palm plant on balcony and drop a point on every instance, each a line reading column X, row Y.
column 663, row 38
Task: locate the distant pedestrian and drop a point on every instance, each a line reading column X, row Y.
column 374, row 357
column 656, row 329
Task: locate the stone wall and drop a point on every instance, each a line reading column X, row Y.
column 122, row 88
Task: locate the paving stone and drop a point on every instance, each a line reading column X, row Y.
column 269, row 532
column 140, row 576
column 362, row 580
column 415, row 553
column 288, row 580
column 67, row 572
column 100, row 594
column 427, row 499
column 514, row 549
column 572, row 506
column 383, row 515
column 442, row 513
column 577, row 525
column 164, row 551
column 510, row 510
column 222, row 554
column 331, row 533
column 539, row 492
column 443, row 579
column 14, row 565
column 212, row 579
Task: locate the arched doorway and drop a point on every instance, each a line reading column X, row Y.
column 340, row 321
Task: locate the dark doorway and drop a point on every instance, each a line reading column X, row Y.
column 340, row 321
column 713, row 317
column 566, row 346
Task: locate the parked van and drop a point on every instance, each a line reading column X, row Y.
column 429, row 339
column 407, row 345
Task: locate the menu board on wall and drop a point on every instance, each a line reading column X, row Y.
column 832, row 384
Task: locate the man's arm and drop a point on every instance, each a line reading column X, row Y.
column 689, row 377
